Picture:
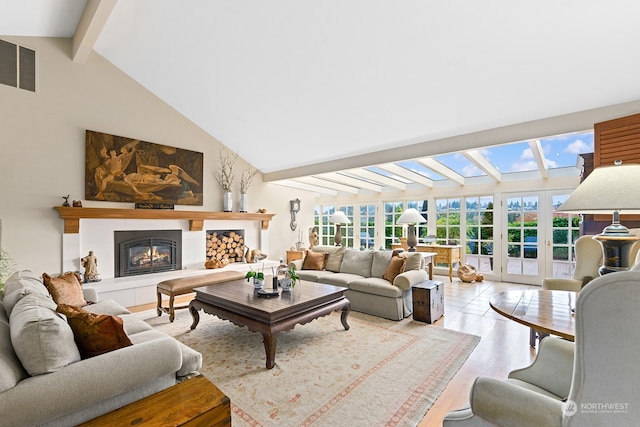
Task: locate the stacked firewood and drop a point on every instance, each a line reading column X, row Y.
column 225, row 245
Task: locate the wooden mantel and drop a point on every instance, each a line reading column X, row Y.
column 72, row 216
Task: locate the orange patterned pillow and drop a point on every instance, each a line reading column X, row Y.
column 314, row 260
column 65, row 289
column 95, row 333
column 396, row 266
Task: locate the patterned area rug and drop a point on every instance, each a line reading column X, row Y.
column 378, row 373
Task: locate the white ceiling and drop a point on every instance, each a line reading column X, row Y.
column 296, row 83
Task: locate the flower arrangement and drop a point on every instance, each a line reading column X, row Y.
column 225, row 176
column 291, row 274
column 257, row 275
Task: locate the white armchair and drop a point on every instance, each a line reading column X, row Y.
column 596, row 375
column 588, row 260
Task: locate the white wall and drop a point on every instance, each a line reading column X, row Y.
column 42, row 139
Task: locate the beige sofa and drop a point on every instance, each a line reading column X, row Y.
column 44, row 381
column 361, row 273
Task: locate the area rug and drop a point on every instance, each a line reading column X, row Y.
column 378, row 373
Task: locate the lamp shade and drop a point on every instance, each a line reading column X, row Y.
column 411, row 216
column 607, row 189
column 339, row 218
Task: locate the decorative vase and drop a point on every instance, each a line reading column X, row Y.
column 243, row 202
column 227, row 201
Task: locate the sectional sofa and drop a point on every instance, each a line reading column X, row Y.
column 44, row 380
column 374, row 283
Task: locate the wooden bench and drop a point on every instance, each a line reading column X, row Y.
column 185, row 285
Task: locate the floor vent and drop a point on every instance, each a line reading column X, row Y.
column 17, row 66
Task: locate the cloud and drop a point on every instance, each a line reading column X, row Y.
column 530, row 165
column 578, row 146
column 527, row 154
column 472, row 170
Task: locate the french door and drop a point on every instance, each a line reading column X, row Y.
column 537, row 242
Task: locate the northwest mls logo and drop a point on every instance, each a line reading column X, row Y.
column 570, row 408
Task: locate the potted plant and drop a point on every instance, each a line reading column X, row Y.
column 258, row 277
column 291, row 278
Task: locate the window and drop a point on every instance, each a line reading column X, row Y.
column 367, row 226
column 393, row 230
column 321, row 220
column 566, row 229
column 448, row 221
column 346, row 230
column 479, row 232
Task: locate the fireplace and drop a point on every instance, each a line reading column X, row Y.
column 225, row 245
column 147, row 251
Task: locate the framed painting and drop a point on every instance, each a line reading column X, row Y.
column 120, row 169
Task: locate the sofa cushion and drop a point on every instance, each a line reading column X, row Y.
column 134, row 325
column 41, row 338
column 380, row 263
column 314, row 275
column 20, row 284
column 107, row 306
column 65, row 289
column 191, row 359
column 376, row 286
column 314, row 260
column 11, row 370
column 414, row 260
column 396, row 266
column 334, row 260
column 94, row 333
column 357, row 262
column 340, row 279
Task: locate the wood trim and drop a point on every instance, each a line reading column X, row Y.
column 72, row 216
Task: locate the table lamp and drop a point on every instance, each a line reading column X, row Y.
column 339, row 218
column 411, row 217
column 610, row 189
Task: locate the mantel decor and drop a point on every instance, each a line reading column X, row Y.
column 120, row 169
column 72, row 216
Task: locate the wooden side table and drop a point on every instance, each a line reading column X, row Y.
column 294, row 255
column 194, row 402
column 445, row 254
column 428, row 301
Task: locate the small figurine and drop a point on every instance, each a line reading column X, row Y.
column 90, row 264
column 77, row 204
column 313, row 237
column 66, row 201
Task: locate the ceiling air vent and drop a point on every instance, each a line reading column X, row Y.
column 17, row 66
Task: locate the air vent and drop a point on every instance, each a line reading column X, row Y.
column 17, row 66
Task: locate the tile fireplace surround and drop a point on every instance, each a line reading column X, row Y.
column 95, row 232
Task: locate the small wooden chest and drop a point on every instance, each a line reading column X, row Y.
column 428, row 301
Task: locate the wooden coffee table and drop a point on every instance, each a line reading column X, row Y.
column 546, row 311
column 238, row 302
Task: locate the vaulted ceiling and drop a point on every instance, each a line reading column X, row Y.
column 311, row 91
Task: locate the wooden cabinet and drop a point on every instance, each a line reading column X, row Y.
column 194, row 402
column 294, row 255
column 428, row 301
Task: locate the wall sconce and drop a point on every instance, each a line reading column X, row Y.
column 411, row 217
column 339, row 218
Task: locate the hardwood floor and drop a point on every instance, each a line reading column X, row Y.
column 504, row 344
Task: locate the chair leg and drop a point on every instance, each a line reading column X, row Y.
column 159, row 307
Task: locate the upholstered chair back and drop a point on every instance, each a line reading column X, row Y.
column 588, row 257
column 607, row 343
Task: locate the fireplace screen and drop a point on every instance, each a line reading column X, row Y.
column 145, row 252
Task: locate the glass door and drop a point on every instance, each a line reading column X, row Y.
column 523, row 239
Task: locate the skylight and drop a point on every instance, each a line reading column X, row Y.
column 418, row 168
column 459, row 163
column 562, row 151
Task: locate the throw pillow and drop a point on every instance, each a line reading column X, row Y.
column 94, row 333
column 314, row 260
column 396, row 266
column 19, row 285
column 41, row 338
column 334, row 260
column 65, row 289
column 414, row 260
